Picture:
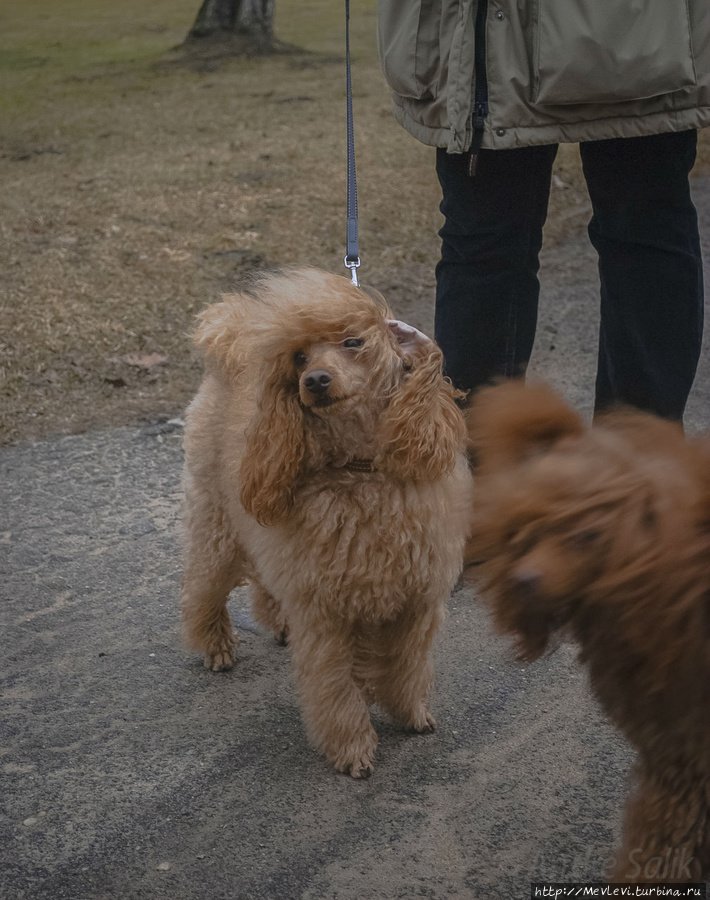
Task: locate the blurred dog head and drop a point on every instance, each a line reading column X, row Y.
column 581, row 525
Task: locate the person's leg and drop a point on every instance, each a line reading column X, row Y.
column 486, row 281
column 645, row 230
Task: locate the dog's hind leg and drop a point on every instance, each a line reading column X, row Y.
column 402, row 669
column 269, row 612
column 334, row 708
column 214, row 565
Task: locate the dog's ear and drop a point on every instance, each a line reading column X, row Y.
column 274, row 453
column 511, row 422
column 422, row 429
column 221, row 333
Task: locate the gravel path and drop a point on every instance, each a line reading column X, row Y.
column 129, row 771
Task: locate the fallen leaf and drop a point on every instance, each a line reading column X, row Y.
column 177, row 255
column 145, row 360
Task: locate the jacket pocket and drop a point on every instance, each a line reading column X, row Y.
column 596, row 51
column 408, row 43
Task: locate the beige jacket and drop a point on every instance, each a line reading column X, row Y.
column 510, row 73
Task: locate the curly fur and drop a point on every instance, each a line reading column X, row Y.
column 351, row 565
column 605, row 531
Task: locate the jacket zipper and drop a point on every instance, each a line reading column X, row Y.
column 480, row 97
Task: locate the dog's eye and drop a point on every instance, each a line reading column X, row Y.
column 583, row 538
column 300, row 358
column 520, row 543
column 353, row 343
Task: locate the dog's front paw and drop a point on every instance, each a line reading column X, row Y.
column 363, row 766
column 358, row 759
column 424, row 723
column 418, row 720
column 220, row 655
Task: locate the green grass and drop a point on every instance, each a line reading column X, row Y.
column 48, row 46
column 52, row 51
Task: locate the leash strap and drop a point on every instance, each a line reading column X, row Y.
column 352, row 255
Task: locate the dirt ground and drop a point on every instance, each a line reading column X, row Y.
column 134, row 188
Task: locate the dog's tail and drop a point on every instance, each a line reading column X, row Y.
column 512, row 421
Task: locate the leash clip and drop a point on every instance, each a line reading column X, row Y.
column 353, row 266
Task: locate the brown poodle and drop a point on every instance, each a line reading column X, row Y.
column 605, row 531
column 325, row 463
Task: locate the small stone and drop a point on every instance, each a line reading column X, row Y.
column 163, row 867
column 30, row 821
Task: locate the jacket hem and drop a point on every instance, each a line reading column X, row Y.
column 426, row 134
column 596, row 129
column 559, row 132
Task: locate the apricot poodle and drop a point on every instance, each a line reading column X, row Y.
column 605, row 531
column 325, row 464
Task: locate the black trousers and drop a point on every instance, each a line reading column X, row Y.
column 644, row 228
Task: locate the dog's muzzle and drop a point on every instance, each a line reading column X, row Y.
column 526, row 583
column 317, row 382
column 317, row 385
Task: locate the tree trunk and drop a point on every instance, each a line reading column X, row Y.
column 247, row 24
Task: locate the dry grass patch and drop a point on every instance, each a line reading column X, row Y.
column 134, row 190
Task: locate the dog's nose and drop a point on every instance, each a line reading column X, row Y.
column 317, row 382
column 527, row 581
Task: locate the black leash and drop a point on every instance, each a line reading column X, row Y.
column 352, row 255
